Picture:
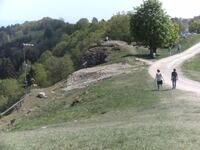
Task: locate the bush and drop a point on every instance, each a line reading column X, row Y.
column 40, row 75
column 10, row 92
column 3, row 103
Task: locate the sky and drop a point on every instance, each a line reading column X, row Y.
column 19, row 11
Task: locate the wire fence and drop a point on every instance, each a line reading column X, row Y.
column 14, row 107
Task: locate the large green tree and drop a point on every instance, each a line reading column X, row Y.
column 152, row 27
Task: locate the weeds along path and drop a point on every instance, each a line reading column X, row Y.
column 166, row 65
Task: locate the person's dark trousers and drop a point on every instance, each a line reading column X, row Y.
column 173, row 84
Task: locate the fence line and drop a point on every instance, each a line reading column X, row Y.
column 18, row 104
column 13, row 107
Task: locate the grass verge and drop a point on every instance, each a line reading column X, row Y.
column 191, row 68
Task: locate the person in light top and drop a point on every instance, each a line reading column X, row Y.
column 159, row 79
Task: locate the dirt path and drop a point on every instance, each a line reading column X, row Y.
column 166, row 66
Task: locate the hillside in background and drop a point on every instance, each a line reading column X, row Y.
column 121, row 112
column 91, row 84
column 59, row 49
column 114, row 105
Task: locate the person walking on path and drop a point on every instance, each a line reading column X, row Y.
column 174, row 78
column 170, row 50
column 179, row 48
column 159, row 79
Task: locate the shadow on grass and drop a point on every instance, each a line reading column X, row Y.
column 166, row 89
column 144, row 56
column 161, row 90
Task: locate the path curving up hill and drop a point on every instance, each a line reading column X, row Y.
column 166, row 65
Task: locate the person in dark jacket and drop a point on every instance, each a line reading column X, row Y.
column 174, row 78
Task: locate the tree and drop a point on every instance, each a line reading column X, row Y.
column 7, row 69
column 45, row 56
column 95, row 20
column 3, row 103
column 30, row 76
column 4, row 38
column 60, row 49
column 11, row 90
column 66, row 66
column 31, row 54
column 119, row 27
column 40, row 75
column 48, row 33
column 69, row 28
column 195, row 26
column 152, row 27
column 82, row 24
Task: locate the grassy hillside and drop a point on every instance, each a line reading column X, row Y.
column 116, row 94
column 192, row 68
column 123, row 112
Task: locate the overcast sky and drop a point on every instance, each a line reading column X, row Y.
column 18, row 11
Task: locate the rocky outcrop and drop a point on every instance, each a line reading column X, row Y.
column 88, row 76
column 96, row 55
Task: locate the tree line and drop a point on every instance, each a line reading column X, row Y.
column 57, row 49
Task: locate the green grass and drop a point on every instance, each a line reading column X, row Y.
column 139, row 138
column 191, row 68
column 124, row 112
column 117, row 93
column 144, row 119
